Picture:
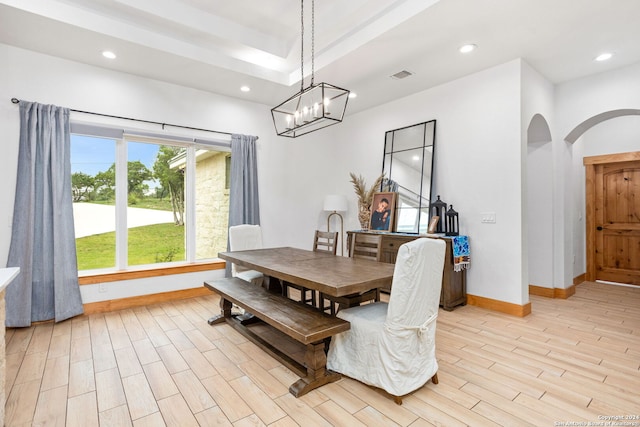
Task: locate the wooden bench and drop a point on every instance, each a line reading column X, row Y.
column 303, row 323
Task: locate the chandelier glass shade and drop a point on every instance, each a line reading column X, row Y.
column 314, row 107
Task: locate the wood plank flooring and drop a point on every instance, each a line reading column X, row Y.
column 571, row 360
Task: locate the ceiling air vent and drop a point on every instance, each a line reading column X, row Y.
column 401, row 75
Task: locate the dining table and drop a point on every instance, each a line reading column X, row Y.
column 326, row 273
column 295, row 333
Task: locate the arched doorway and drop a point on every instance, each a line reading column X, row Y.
column 539, row 202
column 607, row 142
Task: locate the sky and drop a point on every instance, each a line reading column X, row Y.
column 92, row 155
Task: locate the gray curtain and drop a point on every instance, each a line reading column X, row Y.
column 243, row 195
column 43, row 238
column 244, row 207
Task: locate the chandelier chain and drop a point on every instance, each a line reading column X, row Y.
column 313, row 39
column 301, row 45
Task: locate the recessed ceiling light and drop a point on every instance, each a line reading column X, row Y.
column 604, row 56
column 467, row 48
column 353, row 95
column 415, row 158
column 245, row 89
column 108, row 54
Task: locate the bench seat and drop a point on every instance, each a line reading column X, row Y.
column 299, row 321
column 303, row 323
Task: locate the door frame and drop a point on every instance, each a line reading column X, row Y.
column 590, row 196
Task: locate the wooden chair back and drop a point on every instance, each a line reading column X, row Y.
column 366, row 246
column 325, row 241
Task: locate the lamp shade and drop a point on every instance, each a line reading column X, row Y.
column 335, row 202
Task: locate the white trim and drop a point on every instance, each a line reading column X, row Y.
column 186, row 136
column 121, row 205
column 190, row 212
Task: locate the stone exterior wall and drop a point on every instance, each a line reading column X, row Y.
column 212, row 205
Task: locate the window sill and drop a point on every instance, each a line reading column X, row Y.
column 115, row 276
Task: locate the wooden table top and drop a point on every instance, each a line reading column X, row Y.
column 332, row 275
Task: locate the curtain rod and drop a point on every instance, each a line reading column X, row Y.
column 16, row 101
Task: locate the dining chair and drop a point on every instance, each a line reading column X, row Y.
column 241, row 238
column 392, row 345
column 323, row 241
column 364, row 246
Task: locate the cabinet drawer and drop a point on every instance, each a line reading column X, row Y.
column 394, row 243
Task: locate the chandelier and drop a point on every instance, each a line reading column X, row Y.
column 314, row 107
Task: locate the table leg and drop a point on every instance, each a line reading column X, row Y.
column 272, row 284
column 225, row 312
column 317, row 374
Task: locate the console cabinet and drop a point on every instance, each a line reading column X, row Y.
column 454, row 283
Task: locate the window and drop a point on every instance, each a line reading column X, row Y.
column 93, row 201
column 141, row 200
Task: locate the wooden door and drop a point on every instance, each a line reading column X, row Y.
column 613, row 218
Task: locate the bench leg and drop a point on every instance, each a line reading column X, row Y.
column 225, row 309
column 317, row 374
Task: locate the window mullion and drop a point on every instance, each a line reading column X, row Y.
column 190, row 205
column 121, row 205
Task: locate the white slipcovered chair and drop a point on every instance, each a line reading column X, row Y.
column 242, row 238
column 392, row 345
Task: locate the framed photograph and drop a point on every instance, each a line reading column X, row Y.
column 383, row 210
column 433, row 224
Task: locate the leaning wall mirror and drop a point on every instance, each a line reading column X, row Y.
column 408, row 168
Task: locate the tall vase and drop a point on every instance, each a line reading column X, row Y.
column 363, row 217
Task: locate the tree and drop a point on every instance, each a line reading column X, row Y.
column 82, row 186
column 105, row 184
column 137, row 174
column 171, row 179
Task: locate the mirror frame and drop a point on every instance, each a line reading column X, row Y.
column 424, row 194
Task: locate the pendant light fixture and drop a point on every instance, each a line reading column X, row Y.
column 314, row 107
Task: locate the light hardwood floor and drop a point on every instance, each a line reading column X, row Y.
column 571, row 360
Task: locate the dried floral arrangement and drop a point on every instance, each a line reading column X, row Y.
column 365, row 197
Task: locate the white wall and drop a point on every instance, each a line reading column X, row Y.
column 478, row 155
column 580, row 99
column 48, row 80
column 577, row 101
column 477, row 168
column 537, row 98
column 618, row 135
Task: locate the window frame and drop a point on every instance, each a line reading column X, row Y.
column 122, row 137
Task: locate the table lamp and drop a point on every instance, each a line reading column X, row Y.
column 336, row 203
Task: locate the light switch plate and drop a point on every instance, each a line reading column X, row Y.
column 488, row 217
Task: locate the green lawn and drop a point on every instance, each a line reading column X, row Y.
column 147, row 245
column 146, row 203
column 152, row 203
